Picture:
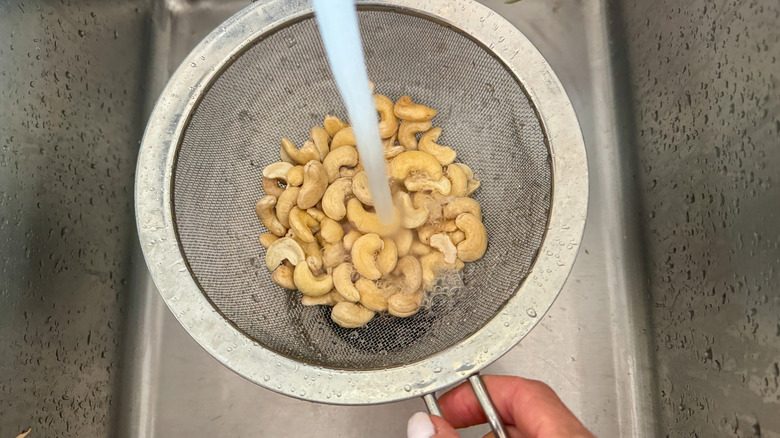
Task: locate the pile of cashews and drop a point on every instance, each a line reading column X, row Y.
column 325, row 240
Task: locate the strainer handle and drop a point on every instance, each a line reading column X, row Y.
column 484, row 400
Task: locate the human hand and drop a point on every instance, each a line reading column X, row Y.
column 528, row 409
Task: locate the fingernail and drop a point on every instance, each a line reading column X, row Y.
column 420, row 426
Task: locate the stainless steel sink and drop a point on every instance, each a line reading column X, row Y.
column 668, row 324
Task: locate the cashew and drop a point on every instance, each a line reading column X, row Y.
column 333, row 254
column 295, row 176
column 315, row 181
column 306, row 153
column 301, row 223
column 310, row 285
column 444, row 154
column 411, row 217
column 410, row 161
column 345, row 137
column 283, row 249
column 406, row 109
column 403, row 240
column 371, row 296
column 466, row 170
column 320, row 138
column 458, row 180
column 330, row 230
column 360, row 188
column 432, row 265
column 393, row 151
column 277, row 170
column 265, row 211
column 420, row 183
column 407, row 133
column 425, row 232
column 387, row 257
column 364, row 255
column 367, row 222
column 410, row 269
column 318, row 215
column 344, row 156
column 342, row 280
column 472, row 186
column 272, row 187
column 283, row 276
column 443, row 243
column 350, row 238
column 428, row 200
column 334, row 199
column 329, row 299
column 388, row 122
column 462, row 205
column 406, row 304
column 286, row 158
column 266, row 239
column 350, row 315
column 284, row 205
column 457, row 237
column 475, row 245
column 350, row 172
column 333, row 125
column 313, row 255
column 419, row 249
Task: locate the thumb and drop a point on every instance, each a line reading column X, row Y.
column 422, row 425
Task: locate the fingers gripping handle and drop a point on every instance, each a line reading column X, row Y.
column 484, row 400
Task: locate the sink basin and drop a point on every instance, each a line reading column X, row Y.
column 674, row 289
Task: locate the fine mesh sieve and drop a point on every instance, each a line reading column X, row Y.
column 262, row 76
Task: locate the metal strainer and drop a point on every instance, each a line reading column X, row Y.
column 263, row 75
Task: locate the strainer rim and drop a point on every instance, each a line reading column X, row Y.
column 229, row 345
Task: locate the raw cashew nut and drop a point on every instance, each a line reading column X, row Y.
column 286, row 158
column 457, row 237
column 472, row 186
column 458, row 180
column 466, row 170
column 425, row 232
column 271, row 186
column 329, row 299
column 287, row 200
column 295, row 176
column 266, row 239
column 360, row 188
column 407, row 133
column 405, row 304
column 342, row 280
column 315, row 181
column 345, row 137
column 333, row 254
column 313, row 255
column 419, row 249
column 350, row 238
column 320, row 138
column 334, row 199
column 351, row 315
column 337, row 158
column 403, row 241
column 411, row 217
column 406, row 109
column 331, row 231
column 364, row 255
column 310, row 285
column 283, row 276
column 387, row 257
column 420, row 183
column 367, row 222
column 265, row 211
column 475, row 245
column 306, row 153
column 388, row 122
column 393, row 151
column 410, row 161
column 443, row 243
column 433, row 264
column 302, row 225
column 284, row 249
column 428, row 200
column 371, row 296
column 333, row 125
column 462, row 205
column 410, row 269
column 277, row 170
column 318, row 215
column 444, row 154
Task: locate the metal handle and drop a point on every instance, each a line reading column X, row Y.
column 484, row 400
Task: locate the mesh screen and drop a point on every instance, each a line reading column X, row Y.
column 281, row 87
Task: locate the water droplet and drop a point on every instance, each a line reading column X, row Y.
column 192, row 64
column 531, row 313
column 437, row 370
column 506, row 324
column 407, row 388
column 267, row 378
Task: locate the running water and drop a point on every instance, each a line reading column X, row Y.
column 338, row 24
